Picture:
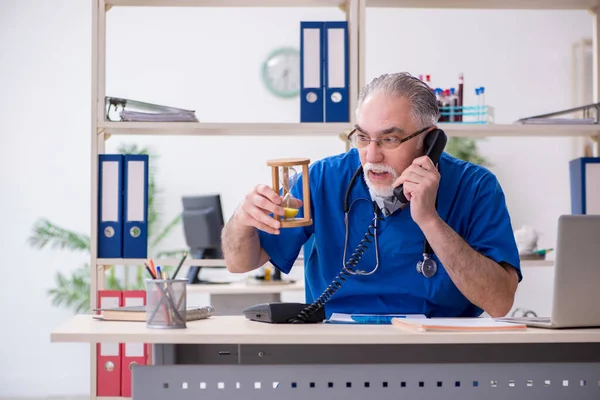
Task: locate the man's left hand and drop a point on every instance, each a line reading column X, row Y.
column 421, row 180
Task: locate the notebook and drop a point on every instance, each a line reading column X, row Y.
column 456, row 325
column 138, row 313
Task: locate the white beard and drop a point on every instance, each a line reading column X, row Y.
column 379, row 190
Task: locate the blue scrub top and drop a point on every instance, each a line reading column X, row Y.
column 470, row 200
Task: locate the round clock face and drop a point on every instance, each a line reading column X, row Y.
column 281, row 72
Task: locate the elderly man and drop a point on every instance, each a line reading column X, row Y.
column 456, row 215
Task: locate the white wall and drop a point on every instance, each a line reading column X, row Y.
column 209, row 60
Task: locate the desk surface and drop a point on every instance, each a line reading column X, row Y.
column 238, row 330
column 244, row 287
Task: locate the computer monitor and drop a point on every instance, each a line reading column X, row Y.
column 203, row 221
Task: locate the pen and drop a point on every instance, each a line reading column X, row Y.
column 158, row 272
column 180, row 264
column 375, row 319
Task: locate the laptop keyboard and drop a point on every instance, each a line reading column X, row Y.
column 537, row 319
column 527, row 319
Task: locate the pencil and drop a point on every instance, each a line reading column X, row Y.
column 149, row 271
column 152, row 266
column 180, row 264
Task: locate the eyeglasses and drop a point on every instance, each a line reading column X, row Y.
column 362, row 140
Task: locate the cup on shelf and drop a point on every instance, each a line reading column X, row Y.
column 166, row 303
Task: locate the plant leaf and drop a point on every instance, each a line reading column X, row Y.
column 45, row 233
column 166, row 230
column 74, row 291
column 465, row 149
column 170, row 253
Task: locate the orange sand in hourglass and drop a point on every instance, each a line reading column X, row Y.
column 281, row 169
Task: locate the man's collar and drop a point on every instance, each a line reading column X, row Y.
column 388, row 205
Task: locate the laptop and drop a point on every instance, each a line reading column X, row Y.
column 576, row 297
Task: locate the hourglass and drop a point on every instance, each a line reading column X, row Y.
column 285, row 177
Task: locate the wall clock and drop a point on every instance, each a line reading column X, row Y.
column 281, row 72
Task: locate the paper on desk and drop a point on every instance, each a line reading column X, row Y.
column 341, row 318
column 457, row 324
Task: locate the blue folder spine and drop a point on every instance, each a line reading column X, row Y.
column 337, row 102
column 577, row 176
column 135, row 203
column 110, row 226
column 311, row 96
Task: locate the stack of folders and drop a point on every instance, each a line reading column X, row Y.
column 324, row 72
column 122, row 205
column 126, row 110
column 114, row 360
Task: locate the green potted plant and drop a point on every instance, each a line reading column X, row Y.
column 465, row 149
column 74, row 291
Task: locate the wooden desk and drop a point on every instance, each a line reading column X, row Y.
column 233, row 298
column 230, row 357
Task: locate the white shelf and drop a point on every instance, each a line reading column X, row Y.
column 334, row 129
column 221, row 263
column 226, row 3
column 472, row 4
column 518, row 130
column 224, row 129
column 171, row 261
column 161, row 261
column 489, row 4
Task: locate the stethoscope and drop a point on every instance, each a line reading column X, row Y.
column 427, row 267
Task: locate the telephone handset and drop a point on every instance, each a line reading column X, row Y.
column 434, row 144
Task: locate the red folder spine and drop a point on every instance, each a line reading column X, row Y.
column 132, row 353
column 108, row 355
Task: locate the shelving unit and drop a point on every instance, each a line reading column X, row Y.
column 355, row 12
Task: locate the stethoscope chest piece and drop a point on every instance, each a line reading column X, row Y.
column 427, row 267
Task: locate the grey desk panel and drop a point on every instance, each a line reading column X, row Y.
column 379, row 354
column 490, row 381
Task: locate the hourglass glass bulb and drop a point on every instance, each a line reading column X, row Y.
column 290, row 205
column 289, row 177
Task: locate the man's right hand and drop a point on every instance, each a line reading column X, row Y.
column 258, row 204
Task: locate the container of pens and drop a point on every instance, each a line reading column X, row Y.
column 166, row 303
column 467, row 114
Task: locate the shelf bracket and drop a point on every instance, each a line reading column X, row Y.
column 102, row 132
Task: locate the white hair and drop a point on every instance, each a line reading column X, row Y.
column 423, row 103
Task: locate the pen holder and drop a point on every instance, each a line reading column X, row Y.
column 166, row 303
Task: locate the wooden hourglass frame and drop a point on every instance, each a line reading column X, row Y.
column 285, row 164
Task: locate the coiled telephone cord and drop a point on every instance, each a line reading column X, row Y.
column 348, row 268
